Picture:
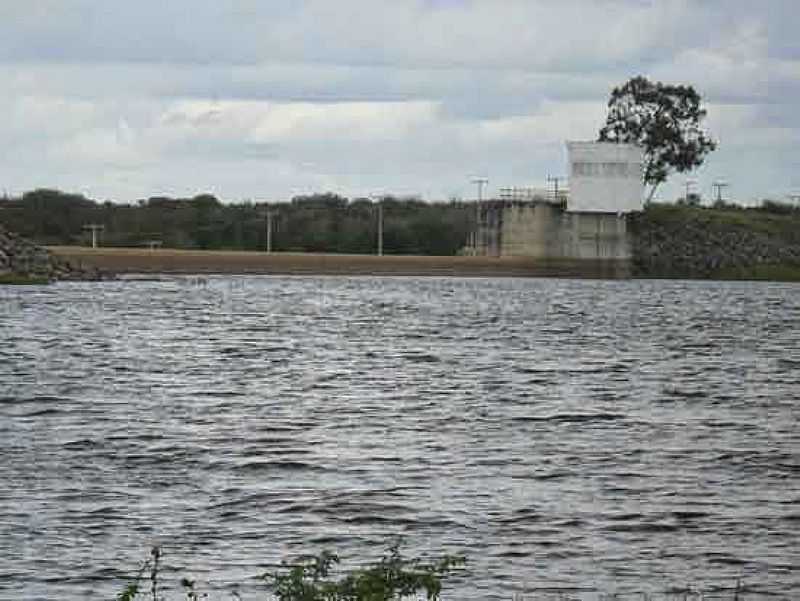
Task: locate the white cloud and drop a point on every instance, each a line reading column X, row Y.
column 270, row 98
column 344, row 121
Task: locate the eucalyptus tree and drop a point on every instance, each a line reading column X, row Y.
column 665, row 120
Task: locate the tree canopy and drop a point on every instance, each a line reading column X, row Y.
column 324, row 222
column 665, row 120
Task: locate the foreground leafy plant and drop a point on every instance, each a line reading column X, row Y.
column 131, row 590
column 393, row 577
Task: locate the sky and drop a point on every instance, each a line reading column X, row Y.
column 264, row 100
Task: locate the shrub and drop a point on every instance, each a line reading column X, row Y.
column 391, row 578
column 777, row 207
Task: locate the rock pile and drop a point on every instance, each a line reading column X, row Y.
column 21, row 257
column 693, row 244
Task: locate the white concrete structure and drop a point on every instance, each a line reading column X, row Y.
column 605, row 177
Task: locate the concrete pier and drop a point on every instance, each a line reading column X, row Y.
column 545, row 230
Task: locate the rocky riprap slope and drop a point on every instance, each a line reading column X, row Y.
column 19, row 257
column 696, row 242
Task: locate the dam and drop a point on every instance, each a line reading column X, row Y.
column 577, row 231
column 585, row 222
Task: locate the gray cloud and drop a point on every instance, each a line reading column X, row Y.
column 259, row 98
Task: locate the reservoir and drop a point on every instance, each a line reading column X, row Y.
column 569, row 437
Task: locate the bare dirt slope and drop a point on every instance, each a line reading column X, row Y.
column 133, row 260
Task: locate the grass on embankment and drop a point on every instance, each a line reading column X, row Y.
column 783, row 225
column 14, row 279
column 763, row 272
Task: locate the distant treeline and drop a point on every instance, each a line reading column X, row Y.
column 316, row 223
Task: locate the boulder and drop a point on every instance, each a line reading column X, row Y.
column 22, row 257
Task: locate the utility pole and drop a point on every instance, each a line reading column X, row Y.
column 379, row 199
column 94, row 228
column 719, row 186
column 267, row 215
column 380, row 228
column 269, row 232
column 480, row 182
column 555, row 179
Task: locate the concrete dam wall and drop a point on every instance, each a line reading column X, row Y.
column 545, row 230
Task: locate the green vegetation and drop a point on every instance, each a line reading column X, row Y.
column 311, row 579
column 773, row 218
column 316, row 223
column 781, row 224
column 723, row 242
column 764, row 272
column 392, row 578
column 683, row 240
column 664, row 120
column 14, row 279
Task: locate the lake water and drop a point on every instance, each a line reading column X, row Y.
column 568, row 437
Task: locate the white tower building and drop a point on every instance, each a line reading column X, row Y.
column 605, row 177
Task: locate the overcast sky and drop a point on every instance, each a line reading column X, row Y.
column 264, row 99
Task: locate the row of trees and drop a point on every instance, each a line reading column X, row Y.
column 315, row 223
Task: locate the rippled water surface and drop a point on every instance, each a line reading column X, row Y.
column 566, row 436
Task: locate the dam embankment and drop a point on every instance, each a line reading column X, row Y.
column 673, row 241
column 666, row 241
column 22, row 261
column 135, row 260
